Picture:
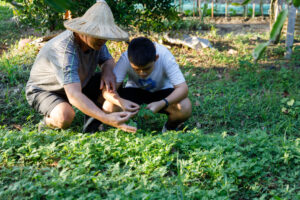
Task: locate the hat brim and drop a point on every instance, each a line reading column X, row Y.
column 106, row 32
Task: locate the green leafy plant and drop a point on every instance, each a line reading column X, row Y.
column 147, row 120
column 275, row 32
column 290, row 107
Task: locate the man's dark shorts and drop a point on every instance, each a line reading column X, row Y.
column 141, row 96
column 44, row 101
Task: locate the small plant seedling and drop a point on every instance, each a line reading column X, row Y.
column 145, row 113
column 131, row 122
column 145, row 119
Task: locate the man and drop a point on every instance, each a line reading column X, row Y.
column 63, row 73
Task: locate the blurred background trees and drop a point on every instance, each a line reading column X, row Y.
column 144, row 15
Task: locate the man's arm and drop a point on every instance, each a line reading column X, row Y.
column 84, row 104
column 108, row 79
column 180, row 93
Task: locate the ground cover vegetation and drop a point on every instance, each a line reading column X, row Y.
column 242, row 142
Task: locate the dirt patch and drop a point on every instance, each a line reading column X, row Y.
column 240, row 25
column 224, row 29
column 238, row 20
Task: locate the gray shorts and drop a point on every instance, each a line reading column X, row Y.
column 45, row 101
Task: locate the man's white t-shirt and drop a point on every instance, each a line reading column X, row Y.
column 166, row 72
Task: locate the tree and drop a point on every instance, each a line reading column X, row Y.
column 290, row 31
column 48, row 14
column 277, row 27
column 199, row 9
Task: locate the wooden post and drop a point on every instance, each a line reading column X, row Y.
column 180, row 10
column 272, row 13
column 226, row 9
column 212, row 8
column 261, row 5
column 245, row 11
column 194, row 7
column 253, row 10
column 199, row 9
column 290, row 31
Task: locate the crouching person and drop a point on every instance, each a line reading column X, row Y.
column 154, row 78
column 63, row 74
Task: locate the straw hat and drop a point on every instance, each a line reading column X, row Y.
column 97, row 22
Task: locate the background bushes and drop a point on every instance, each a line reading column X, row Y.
column 144, row 15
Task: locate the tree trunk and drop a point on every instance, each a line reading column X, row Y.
column 272, row 13
column 226, row 9
column 212, row 8
column 194, row 7
column 199, row 10
column 253, row 10
column 261, row 5
column 290, row 31
column 245, row 11
column 180, row 10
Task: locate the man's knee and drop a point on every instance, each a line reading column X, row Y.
column 62, row 115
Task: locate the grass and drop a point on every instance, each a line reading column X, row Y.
column 242, row 142
column 9, row 30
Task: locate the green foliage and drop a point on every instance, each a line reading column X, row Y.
column 277, row 27
column 188, row 12
column 146, row 120
column 60, row 6
column 290, row 107
column 259, row 50
column 144, row 15
column 118, row 165
column 275, row 32
column 204, row 11
column 8, row 31
column 244, row 143
column 296, row 3
column 36, row 14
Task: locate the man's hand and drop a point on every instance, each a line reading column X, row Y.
column 108, row 78
column 118, row 119
column 129, row 106
column 156, row 106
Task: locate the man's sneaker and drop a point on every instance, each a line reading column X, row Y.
column 42, row 124
column 91, row 125
column 178, row 128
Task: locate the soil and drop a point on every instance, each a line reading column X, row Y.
column 235, row 25
column 240, row 25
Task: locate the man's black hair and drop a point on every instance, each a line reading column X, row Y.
column 141, row 51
